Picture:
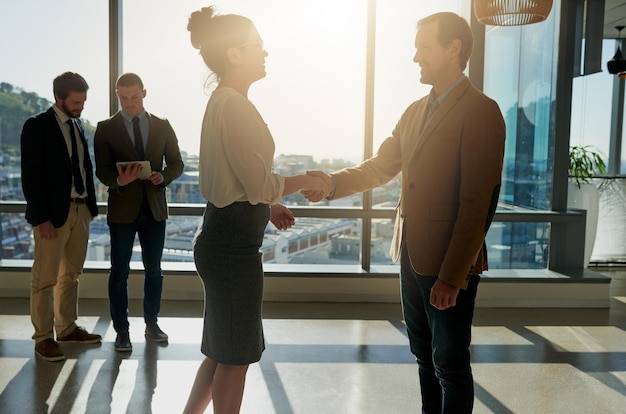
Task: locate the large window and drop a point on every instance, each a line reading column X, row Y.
column 519, row 75
column 591, row 107
column 339, row 75
column 41, row 40
column 523, row 84
column 598, row 122
column 312, row 97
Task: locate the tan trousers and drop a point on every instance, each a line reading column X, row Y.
column 54, row 283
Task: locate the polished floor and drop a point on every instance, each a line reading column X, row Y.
column 326, row 359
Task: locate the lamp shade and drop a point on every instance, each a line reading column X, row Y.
column 617, row 64
column 511, row 12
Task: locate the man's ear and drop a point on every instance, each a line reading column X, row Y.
column 455, row 46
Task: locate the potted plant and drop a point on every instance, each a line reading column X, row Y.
column 585, row 164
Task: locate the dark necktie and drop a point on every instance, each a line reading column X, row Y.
column 78, row 178
column 433, row 107
column 138, row 138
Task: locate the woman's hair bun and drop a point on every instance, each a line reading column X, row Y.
column 198, row 25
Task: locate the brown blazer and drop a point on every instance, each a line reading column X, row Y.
column 451, row 175
column 112, row 144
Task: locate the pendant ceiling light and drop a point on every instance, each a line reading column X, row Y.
column 511, row 12
column 617, row 64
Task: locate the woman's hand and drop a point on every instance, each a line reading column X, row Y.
column 281, row 217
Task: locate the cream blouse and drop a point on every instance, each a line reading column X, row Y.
column 236, row 153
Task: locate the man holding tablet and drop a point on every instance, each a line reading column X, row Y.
column 130, row 148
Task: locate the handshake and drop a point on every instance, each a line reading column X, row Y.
column 318, row 187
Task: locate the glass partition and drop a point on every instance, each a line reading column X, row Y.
column 512, row 245
column 591, row 107
column 519, row 75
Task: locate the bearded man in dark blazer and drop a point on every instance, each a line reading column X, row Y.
column 449, row 148
column 137, row 202
column 57, row 180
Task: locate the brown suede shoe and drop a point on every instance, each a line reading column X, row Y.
column 49, row 350
column 80, row 335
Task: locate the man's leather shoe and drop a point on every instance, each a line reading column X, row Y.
column 122, row 342
column 81, row 336
column 49, row 350
column 155, row 333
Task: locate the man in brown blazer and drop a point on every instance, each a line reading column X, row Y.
column 137, row 204
column 449, row 148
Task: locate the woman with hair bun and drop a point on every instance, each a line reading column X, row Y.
column 242, row 192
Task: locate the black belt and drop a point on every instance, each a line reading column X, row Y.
column 77, row 200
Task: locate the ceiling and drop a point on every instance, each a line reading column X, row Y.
column 614, row 15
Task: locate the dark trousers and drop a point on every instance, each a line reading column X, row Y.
column 440, row 341
column 152, row 238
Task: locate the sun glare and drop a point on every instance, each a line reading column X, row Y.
column 313, row 97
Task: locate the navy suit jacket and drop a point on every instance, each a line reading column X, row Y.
column 47, row 171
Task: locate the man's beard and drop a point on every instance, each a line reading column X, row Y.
column 68, row 112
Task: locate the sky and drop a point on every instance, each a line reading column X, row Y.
column 313, row 97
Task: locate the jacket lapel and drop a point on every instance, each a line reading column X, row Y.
column 150, row 137
column 54, row 124
column 81, row 132
column 440, row 114
column 418, row 126
column 120, row 126
column 86, row 158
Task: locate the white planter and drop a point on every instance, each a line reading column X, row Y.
column 586, row 198
column 610, row 243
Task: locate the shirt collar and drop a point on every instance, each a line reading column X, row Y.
column 62, row 116
column 439, row 100
column 143, row 114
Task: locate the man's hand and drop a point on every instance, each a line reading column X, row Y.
column 47, row 230
column 155, row 178
column 443, row 295
column 281, row 217
column 128, row 173
column 317, row 194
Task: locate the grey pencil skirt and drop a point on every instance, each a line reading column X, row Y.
column 227, row 254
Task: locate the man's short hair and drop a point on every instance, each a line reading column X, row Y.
column 68, row 82
column 128, row 79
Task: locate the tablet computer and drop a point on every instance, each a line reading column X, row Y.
column 146, row 171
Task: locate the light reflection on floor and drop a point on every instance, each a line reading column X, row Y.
column 337, row 360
